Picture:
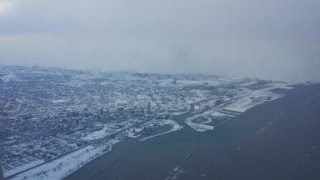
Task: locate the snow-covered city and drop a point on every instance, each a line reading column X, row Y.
column 54, row 121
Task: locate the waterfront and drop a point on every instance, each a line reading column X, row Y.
column 275, row 140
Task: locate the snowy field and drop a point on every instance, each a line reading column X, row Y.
column 64, row 166
column 247, row 100
column 256, row 97
column 199, row 127
column 105, row 131
column 22, row 168
column 175, row 127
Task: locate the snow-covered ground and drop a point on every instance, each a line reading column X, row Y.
column 9, row 77
column 73, row 105
column 247, row 99
column 64, row 166
column 203, row 126
column 106, row 130
column 199, row 127
column 60, row 101
column 22, row 168
column 257, row 97
column 131, row 133
column 244, row 104
column 175, row 127
column 212, row 113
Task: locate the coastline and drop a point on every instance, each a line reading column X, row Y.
column 118, row 164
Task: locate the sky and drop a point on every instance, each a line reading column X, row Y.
column 274, row 39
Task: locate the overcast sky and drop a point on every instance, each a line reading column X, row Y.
column 269, row 39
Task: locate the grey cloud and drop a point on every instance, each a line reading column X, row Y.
column 266, row 39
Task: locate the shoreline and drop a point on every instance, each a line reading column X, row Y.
column 187, row 137
column 41, row 170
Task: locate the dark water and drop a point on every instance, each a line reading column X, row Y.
column 275, row 140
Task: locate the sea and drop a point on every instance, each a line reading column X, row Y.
column 275, row 140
